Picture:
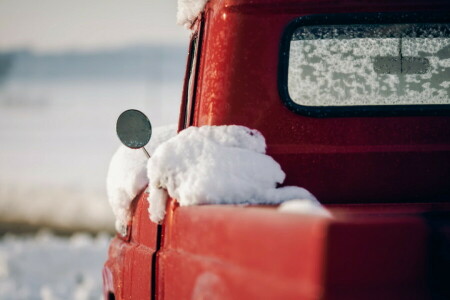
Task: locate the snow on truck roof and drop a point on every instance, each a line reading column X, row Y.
column 188, row 10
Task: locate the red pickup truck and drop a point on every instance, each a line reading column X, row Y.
column 353, row 98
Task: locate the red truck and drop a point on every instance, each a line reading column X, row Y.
column 353, row 98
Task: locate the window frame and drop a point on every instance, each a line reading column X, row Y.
column 191, row 75
column 357, row 110
column 189, row 95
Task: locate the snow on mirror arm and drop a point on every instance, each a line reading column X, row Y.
column 369, row 65
column 134, row 129
column 127, row 175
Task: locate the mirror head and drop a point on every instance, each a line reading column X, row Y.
column 133, row 129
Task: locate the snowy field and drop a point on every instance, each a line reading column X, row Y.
column 47, row 267
column 57, row 139
column 60, row 96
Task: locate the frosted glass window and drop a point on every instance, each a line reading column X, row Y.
column 360, row 65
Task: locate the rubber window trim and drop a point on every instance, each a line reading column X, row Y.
column 357, row 19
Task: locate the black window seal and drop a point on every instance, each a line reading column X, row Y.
column 425, row 17
column 193, row 44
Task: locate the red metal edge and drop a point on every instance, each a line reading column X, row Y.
column 108, row 283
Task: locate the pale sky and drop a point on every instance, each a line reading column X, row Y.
column 58, row 25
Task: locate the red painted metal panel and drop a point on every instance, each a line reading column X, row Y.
column 377, row 159
column 258, row 253
column 113, row 270
column 243, row 251
column 116, row 269
column 140, row 272
column 129, row 264
column 231, row 252
column 144, row 246
column 377, row 258
column 145, row 230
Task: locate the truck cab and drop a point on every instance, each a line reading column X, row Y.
column 353, row 99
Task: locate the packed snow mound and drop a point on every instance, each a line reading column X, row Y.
column 127, row 175
column 126, row 178
column 188, row 10
column 216, row 165
column 160, row 135
column 303, row 206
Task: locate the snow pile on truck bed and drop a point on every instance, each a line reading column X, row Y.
column 188, row 10
column 302, row 206
column 217, row 165
column 160, row 135
column 127, row 175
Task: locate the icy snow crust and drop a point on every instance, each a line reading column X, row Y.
column 188, row 10
column 216, row 165
column 127, row 175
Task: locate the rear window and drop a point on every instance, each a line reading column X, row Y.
column 369, row 67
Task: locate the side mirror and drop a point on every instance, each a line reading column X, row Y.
column 134, row 129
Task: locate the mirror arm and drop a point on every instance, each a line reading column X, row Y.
column 146, row 153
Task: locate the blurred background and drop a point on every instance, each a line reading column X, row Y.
column 67, row 70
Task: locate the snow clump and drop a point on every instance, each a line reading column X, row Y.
column 303, row 206
column 216, row 165
column 127, row 175
column 188, row 10
column 126, row 178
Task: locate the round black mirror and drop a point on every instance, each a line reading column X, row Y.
column 133, row 129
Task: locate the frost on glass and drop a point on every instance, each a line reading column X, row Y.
column 350, row 65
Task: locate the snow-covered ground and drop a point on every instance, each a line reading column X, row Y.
column 47, row 267
column 57, row 138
